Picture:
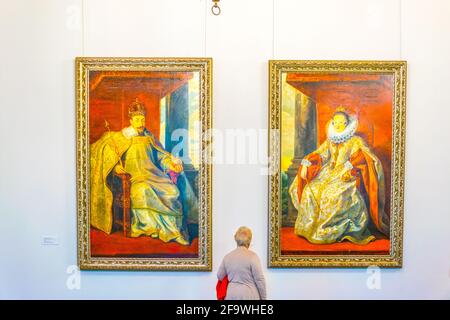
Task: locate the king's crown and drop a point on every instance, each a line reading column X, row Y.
column 137, row 108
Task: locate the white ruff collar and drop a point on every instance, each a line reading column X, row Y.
column 129, row 132
column 349, row 131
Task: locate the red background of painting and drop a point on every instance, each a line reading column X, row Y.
column 116, row 113
column 112, row 92
column 368, row 96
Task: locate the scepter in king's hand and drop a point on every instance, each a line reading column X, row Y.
column 116, row 149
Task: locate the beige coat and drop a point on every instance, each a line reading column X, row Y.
column 245, row 276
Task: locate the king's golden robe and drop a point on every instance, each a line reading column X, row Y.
column 155, row 207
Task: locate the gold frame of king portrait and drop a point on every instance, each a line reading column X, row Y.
column 306, row 259
column 203, row 261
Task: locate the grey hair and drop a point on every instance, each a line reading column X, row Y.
column 243, row 237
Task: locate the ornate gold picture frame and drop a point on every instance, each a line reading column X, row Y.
column 143, row 163
column 336, row 149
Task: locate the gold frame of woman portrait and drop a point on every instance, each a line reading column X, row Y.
column 144, row 163
column 336, row 163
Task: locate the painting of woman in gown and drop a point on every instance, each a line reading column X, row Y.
column 336, row 160
column 339, row 188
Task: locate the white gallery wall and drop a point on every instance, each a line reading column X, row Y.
column 38, row 43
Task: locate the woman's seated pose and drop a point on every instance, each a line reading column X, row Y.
column 339, row 188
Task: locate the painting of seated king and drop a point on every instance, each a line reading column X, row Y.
column 135, row 153
column 146, row 172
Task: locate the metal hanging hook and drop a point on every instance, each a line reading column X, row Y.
column 215, row 9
